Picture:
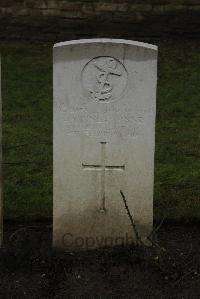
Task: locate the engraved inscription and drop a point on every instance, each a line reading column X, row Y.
column 104, row 78
column 124, row 123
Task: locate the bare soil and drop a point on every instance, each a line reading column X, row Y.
column 31, row 269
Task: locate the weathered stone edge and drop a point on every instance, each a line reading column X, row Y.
column 106, row 40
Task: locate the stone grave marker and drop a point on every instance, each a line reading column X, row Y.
column 104, row 125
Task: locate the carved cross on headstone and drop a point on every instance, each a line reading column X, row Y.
column 103, row 167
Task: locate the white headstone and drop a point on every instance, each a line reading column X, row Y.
column 104, row 124
column 1, row 198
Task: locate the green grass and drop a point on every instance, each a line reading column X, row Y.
column 27, row 131
column 177, row 171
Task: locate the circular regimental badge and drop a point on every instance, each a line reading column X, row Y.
column 104, row 78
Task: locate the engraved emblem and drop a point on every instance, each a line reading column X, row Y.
column 104, row 78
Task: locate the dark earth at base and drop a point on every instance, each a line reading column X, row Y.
column 30, row 269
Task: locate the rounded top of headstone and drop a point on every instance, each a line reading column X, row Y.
column 106, row 40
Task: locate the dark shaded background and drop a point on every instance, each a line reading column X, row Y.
column 58, row 20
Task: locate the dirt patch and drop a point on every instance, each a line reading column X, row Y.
column 30, row 268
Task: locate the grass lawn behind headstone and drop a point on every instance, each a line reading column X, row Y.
column 27, row 131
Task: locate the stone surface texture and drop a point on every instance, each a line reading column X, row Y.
column 104, row 123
